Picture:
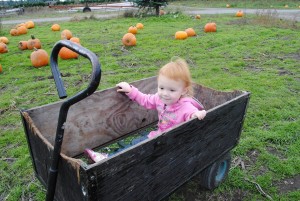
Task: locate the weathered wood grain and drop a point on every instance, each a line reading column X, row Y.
column 157, row 167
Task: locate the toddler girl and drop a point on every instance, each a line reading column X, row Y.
column 173, row 101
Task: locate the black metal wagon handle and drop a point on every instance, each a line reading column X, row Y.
column 94, row 83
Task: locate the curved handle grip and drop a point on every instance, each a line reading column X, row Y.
column 96, row 73
column 63, row 112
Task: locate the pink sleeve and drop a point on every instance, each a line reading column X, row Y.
column 189, row 111
column 148, row 101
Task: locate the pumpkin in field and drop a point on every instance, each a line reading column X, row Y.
column 3, row 48
column 4, row 39
column 129, row 39
column 22, row 45
column 181, row 35
column 210, row 27
column 39, row 58
column 29, row 24
column 14, row 32
column 55, row 27
column 75, row 40
column 66, row 53
column 22, row 30
column 132, row 29
column 239, row 13
column 139, row 25
column 227, row 5
column 198, row 17
column 66, row 34
column 34, row 43
column 190, row 32
column 162, row 12
column 1, row 68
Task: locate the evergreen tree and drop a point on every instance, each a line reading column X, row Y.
column 156, row 4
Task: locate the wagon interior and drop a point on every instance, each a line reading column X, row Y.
column 107, row 116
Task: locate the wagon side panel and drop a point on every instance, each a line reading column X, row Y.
column 68, row 183
column 157, row 167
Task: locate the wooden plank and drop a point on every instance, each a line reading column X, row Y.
column 102, row 117
column 153, row 169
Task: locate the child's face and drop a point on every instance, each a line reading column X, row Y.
column 170, row 91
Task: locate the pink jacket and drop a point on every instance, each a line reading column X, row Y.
column 168, row 115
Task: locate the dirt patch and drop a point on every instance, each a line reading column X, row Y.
column 289, row 184
column 192, row 192
column 276, row 152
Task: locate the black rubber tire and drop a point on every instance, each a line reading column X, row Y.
column 86, row 9
column 214, row 175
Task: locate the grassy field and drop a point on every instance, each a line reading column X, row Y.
column 279, row 4
column 256, row 53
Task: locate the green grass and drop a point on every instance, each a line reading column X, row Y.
column 278, row 4
column 256, row 54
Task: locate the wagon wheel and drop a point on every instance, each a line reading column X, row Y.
column 215, row 174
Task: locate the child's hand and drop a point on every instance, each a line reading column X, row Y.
column 123, row 87
column 199, row 114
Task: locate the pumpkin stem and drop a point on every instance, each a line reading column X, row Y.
column 32, row 36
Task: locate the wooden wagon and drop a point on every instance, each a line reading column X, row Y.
column 58, row 133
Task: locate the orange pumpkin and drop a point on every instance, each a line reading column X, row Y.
column 210, row 27
column 14, row 32
column 3, row 48
column 132, row 29
column 139, row 25
column 55, row 27
column 129, row 39
column 3, row 39
column 22, row 45
column 75, row 40
column 34, row 43
column 190, row 32
column 181, row 35
column 39, row 58
column 29, row 24
column 65, row 53
column 66, row 34
column 239, row 13
column 162, row 12
column 22, row 30
column 1, row 68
